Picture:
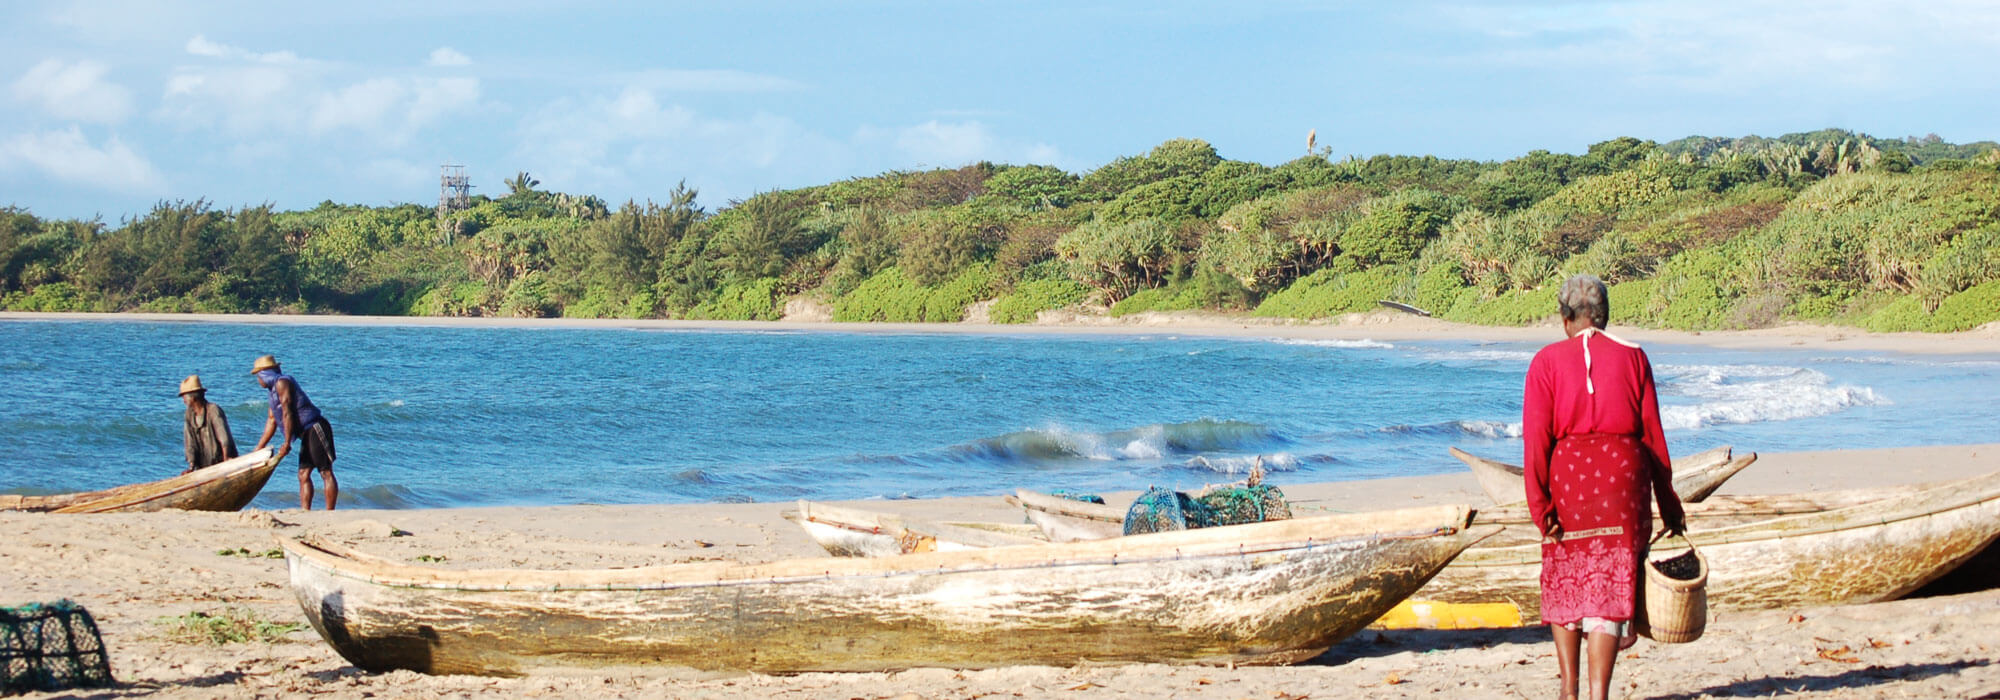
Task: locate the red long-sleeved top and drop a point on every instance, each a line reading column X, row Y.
column 1614, row 396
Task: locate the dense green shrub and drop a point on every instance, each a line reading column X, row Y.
column 1029, row 299
column 887, row 296
column 1120, row 259
column 1173, row 158
column 52, row 297
column 1268, row 242
column 1034, row 186
column 1513, row 308
column 1204, row 289
column 1391, row 230
column 1326, row 293
column 749, row 300
column 946, row 303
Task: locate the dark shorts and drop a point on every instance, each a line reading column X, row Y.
column 316, row 447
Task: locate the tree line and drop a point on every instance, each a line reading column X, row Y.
column 1698, row 233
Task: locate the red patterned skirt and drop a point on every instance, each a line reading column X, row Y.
column 1603, row 499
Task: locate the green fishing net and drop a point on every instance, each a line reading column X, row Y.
column 1160, row 509
column 50, row 646
column 1235, row 505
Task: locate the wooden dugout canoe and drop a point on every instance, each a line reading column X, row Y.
column 225, row 486
column 1695, row 476
column 1065, row 520
column 1816, row 548
column 1274, row 592
column 849, row 532
column 1068, row 520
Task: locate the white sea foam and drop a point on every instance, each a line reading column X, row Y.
column 1735, row 394
column 1511, row 356
column 1490, row 428
column 1149, row 442
column 1363, row 343
column 1274, row 462
column 1730, row 394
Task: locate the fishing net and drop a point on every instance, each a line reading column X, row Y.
column 1235, row 505
column 50, row 646
column 1160, row 510
column 1074, row 496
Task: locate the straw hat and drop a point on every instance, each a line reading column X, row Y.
column 264, row 363
column 192, row 383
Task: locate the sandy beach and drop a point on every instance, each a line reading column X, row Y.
column 1381, row 325
column 132, row 571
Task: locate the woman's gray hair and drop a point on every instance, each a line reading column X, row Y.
column 1583, row 296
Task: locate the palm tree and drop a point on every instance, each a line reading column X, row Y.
column 521, row 182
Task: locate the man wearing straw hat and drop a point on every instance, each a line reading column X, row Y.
column 301, row 419
column 204, row 429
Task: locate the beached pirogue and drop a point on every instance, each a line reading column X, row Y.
column 226, row 486
column 1261, row 593
column 1811, row 548
column 1695, row 476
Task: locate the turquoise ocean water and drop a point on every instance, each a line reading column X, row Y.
column 437, row 417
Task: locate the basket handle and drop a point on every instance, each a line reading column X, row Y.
column 1657, row 536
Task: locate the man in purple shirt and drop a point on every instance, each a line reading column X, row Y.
column 296, row 414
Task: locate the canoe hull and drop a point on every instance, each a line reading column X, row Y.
column 1854, row 554
column 850, row 532
column 1696, row 476
column 1273, row 603
column 224, row 487
column 1065, row 520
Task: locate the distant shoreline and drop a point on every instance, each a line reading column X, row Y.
column 1378, row 325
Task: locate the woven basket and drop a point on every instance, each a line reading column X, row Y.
column 1676, row 609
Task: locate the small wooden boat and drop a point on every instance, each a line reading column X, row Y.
column 849, row 532
column 1262, row 593
column 225, row 486
column 1069, row 520
column 1695, row 476
column 1815, row 548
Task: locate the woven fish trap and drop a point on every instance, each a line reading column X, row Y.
column 1676, row 597
column 50, row 646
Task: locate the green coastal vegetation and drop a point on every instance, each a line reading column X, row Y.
column 1699, row 233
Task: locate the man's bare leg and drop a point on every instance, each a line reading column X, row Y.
column 305, row 489
column 332, row 487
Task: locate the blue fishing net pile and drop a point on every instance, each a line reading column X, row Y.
column 50, row 646
column 1160, row 509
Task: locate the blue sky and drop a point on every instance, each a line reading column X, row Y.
column 108, row 107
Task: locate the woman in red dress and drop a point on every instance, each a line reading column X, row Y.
column 1595, row 459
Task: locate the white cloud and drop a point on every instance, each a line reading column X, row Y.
column 681, row 80
column 445, row 56
column 261, row 95
column 362, row 105
column 635, row 144
column 938, row 144
column 67, row 155
column 74, row 91
column 1745, row 47
column 202, row 46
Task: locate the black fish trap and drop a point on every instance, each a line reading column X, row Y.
column 50, row 646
